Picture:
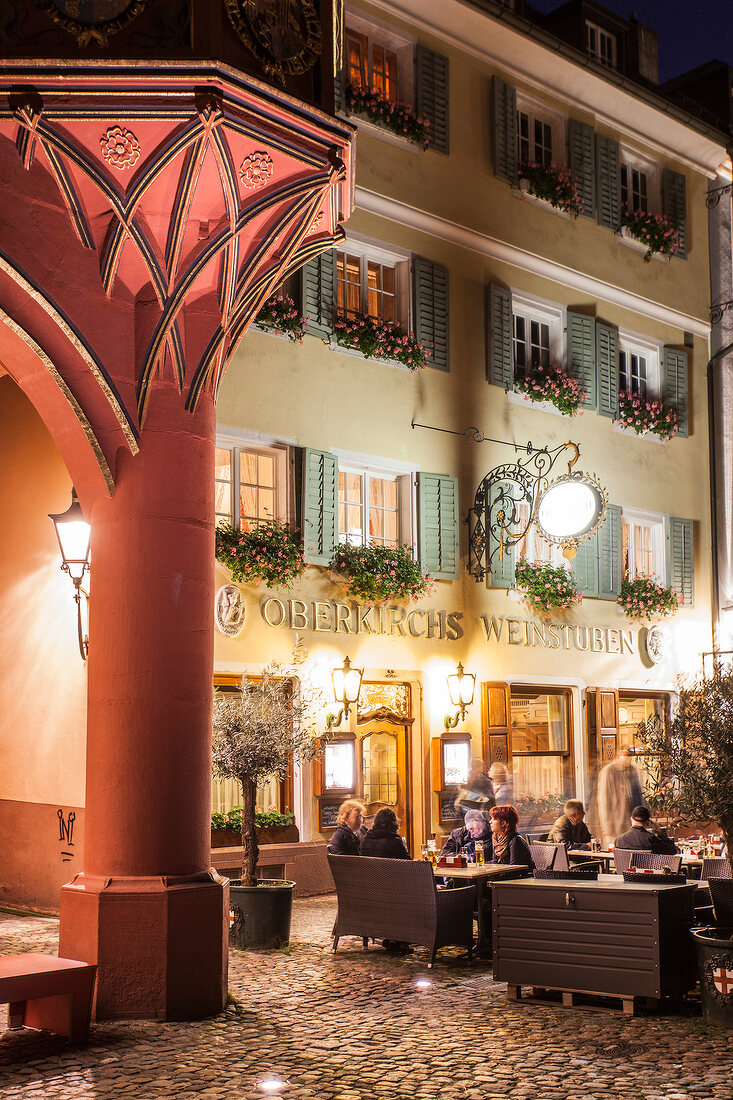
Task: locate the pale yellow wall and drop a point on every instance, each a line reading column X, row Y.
column 43, row 685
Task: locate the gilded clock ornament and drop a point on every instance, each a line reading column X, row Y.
column 93, row 20
column 284, row 35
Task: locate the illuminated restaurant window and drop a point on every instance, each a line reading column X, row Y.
column 632, row 710
column 642, row 545
column 250, row 484
column 368, row 509
column 273, row 792
column 380, row 777
column 371, row 65
column 542, row 744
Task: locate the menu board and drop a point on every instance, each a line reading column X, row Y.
column 328, row 813
column 446, row 808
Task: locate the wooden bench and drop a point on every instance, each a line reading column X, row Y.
column 396, row 899
column 48, row 993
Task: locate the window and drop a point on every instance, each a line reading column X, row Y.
column 638, row 366
column 379, row 60
column 251, row 484
column 639, row 181
column 537, row 334
column 632, row 710
column 371, row 280
column 374, row 502
column 542, row 744
column 601, row 45
column 642, row 545
column 534, row 139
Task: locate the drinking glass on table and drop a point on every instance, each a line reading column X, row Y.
column 479, row 849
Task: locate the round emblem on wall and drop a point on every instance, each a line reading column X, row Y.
column 89, row 20
column 230, row 611
column 284, row 35
column 656, row 641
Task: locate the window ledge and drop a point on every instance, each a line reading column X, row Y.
column 523, row 193
column 516, row 398
column 356, row 354
column 649, row 437
column 625, row 237
column 366, row 124
column 254, row 327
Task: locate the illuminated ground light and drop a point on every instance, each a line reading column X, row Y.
column 272, row 1084
column 422, row 983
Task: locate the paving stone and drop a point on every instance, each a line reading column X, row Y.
column 352, row 1026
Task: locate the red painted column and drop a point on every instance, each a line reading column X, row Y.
column 146, row 908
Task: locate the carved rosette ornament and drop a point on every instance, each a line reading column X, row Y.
column 284, row 35
column 92, row 20
column 120, row 147
column 255, row 170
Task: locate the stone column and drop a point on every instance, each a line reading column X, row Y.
column 146, row 908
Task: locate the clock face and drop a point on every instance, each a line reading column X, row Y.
column 91, row 11
column 284, row 35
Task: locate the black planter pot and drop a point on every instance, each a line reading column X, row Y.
column 259, row 916
column 714, row 948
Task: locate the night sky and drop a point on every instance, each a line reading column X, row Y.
column 690, row 32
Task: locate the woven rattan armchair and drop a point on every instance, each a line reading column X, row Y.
column 656, row 861
column 622, row 859
column 549, row 857
column 397, row 899
column 716, row 868
column 721, row 891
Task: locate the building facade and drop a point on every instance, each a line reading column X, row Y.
column 461, row 245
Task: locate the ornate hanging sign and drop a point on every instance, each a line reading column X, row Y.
column 284, row 35
column 93, row 20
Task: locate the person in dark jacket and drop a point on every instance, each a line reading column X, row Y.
column 382, row 839
column 645, row 837
column 507, row 844
column 476, row 826
column 346, row 840
column 570, row 829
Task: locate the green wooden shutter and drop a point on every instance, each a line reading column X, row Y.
column 320, row 506
column 438, row 525
column 318, row 293
column 674, row 386
column 607, row 369
column 580, row 162
column 432, row 95
column 582, row 354
column 430, row 291
column 499, row 345
column 681, row 558
column 502, row 566
column 504, row 130
column 608, row 183
column 674, row 205
column 608, row 544
column 585, row 567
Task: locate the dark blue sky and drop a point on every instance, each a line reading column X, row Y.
column 690, row 32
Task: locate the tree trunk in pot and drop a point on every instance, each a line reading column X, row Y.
column 250, row 847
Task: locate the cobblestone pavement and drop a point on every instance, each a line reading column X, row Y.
column 354, row 1026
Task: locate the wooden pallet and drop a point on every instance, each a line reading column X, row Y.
column 579, row 998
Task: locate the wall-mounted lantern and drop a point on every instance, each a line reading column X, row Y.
column 73, row 534
column 346, row 688
column 461, row 686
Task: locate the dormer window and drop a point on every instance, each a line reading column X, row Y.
column 601, row 44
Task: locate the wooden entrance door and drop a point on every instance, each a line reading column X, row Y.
column 383, row 762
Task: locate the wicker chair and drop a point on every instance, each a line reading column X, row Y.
column 622, row 859
column 721, row 891
column 716, row 868
column 397, row 899
column 655, row 861
column 543, row 856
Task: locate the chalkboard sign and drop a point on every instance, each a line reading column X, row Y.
column 328, row 812
column 446, row 810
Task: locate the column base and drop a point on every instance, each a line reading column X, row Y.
column 160, row 943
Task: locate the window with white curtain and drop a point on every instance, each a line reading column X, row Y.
column 542, row 743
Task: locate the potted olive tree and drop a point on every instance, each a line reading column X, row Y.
column 691, row 775
column 256, row 733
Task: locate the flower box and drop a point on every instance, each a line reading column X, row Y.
column 523, row 192
column 272, row 834
column 626, row 237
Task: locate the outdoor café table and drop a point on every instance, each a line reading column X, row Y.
column 481, row 875
column 691, row 864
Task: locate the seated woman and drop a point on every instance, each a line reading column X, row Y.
column 476, row 826
column 346, row 840
column 382, row 839
column 507, row 844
